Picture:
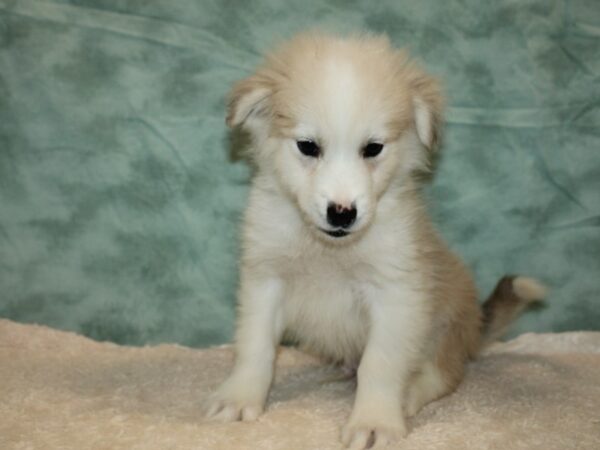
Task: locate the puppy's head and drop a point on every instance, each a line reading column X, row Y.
column 339, row 122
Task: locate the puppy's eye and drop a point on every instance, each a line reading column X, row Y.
column 372, row 149
column 308, row 148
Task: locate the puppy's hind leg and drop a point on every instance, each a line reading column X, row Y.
column 425, row 386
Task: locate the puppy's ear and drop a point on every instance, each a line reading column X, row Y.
column 249, row 104
column 428, row 105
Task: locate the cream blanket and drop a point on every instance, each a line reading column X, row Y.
column 62, row 391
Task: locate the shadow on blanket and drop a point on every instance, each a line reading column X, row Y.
column 61, row 390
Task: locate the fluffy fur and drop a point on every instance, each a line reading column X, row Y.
column 385, row 296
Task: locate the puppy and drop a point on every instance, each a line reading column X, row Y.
column 338, row 252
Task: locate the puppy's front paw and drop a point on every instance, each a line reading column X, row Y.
column 233, row 402
column 358, row 434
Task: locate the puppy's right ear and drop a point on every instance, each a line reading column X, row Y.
column 249, row 104
column 428, row 106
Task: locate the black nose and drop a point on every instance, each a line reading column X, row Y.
column 339, row 216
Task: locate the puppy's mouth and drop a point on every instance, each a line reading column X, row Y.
column 339, row 233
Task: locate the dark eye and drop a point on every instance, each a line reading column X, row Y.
column 309, row 148
column 371, row 150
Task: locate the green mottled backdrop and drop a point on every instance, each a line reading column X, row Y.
column 119, row 203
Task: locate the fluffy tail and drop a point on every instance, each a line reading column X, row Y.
column 511, row 295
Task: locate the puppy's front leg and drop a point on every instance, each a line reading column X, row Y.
column 243, row 395
column 398, row 326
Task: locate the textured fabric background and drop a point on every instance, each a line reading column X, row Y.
column 119, row 201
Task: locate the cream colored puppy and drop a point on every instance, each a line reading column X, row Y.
column 338, row 252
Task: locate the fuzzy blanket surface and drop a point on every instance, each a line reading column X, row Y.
column 60, row 390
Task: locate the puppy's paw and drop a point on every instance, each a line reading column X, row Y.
column 359, row 434
column 233, row 402
column 231, row 410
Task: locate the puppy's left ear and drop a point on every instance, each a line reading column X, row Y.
column 428, row 109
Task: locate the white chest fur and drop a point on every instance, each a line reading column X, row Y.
column 327, row 290
column 324, row 309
